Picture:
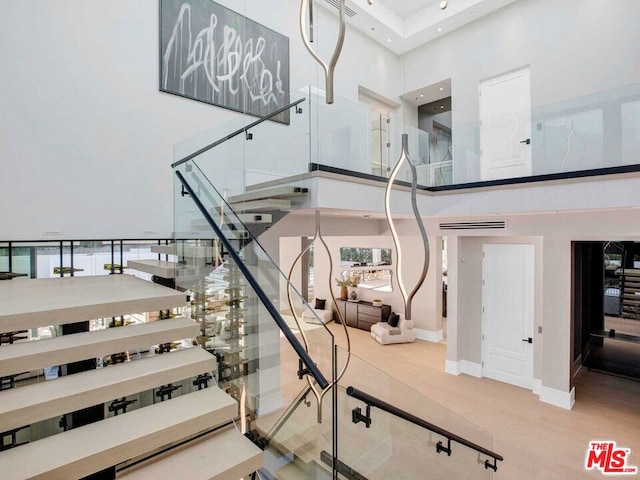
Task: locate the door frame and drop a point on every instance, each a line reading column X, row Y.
column 530, row 314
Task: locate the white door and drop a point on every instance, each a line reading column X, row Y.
column 505, row 126
column 507, row 320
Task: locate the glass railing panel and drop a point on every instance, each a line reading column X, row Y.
column 419, row 143
column 342, row 135
column 298, row 445
column 237, row 319
column 592, row 132
column 274, row 149
column 279, row 149
column 596, row 131
column 392, row 447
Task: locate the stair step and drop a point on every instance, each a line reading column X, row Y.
column 56, row 301
column 27, row 356
column 41, row 401
column 186, row 251
column 227, row 456
column 164, row 249
column 232, row 233
column 92, row 448
column 261, row 205
column 629, row 272
column 251, row 218
column 286, row 191
column 159, row 268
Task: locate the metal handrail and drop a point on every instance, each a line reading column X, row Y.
column 246, row 128
column 372, row 401
column 313, row 369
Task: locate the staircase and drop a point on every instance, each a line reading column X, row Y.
column 155, row 423
column 630, row 288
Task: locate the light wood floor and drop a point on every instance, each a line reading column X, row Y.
column 538, row 441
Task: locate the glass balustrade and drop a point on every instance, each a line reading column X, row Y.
column 597, row 133
column 270, row 345
column 378, row 444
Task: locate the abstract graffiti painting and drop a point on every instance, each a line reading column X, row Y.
column 212, row 54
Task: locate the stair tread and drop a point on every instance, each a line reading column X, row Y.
column 164, row 249
column 40, row 401
column 188, row 251
column 227, row 456
column 27, row 356
column 56, row 301
column 91, row 448
column 261, row 205
column 286, row 191
column 160, row 268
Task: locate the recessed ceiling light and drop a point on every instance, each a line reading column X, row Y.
column 441, row 106
column 439, row 29
column 389, row 40
column 421, row 95
column 443, row 4
column 441, row 88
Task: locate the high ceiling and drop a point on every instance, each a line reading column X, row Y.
column 402, row 25
column 407, row 8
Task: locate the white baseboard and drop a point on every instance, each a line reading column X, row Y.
column 451, row 367
column 470, row 368
column 557, row 397
column 463, row 366
column 429, row 335
column 536, row 387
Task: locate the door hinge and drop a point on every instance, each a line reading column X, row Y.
column 482, row 364
column 482, row 309
column 483, row 336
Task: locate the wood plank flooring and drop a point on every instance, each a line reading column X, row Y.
column 538, row 441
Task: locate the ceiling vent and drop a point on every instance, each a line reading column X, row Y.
column 347, row 11
column 500, row 224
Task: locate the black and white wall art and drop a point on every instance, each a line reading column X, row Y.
column 212, row 54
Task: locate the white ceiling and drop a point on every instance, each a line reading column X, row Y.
column 407, row 8
column 402, row 25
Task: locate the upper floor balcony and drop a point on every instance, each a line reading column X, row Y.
column 543, row 159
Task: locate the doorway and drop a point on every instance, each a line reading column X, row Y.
column 505, row 126
column 380, row 112
column 507, row 317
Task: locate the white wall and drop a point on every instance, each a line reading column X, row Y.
column 573, row 48
column 86, row 138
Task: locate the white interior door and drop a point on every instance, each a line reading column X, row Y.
column 505, row 126
column 507, row 320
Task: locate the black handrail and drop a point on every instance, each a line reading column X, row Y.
column 264, row 298
column 393, row 410
column 246, row 128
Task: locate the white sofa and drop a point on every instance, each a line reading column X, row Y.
column 384, row 334
column 325, row 315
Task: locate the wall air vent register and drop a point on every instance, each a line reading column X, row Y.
column 347, row 11
column 479, row 225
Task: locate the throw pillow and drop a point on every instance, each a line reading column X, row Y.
column 394, row 318
column 320, row 303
